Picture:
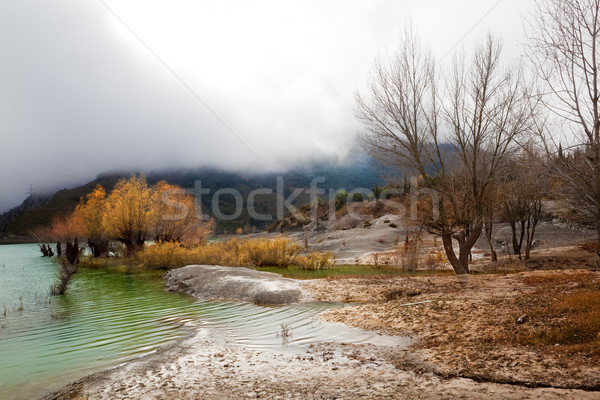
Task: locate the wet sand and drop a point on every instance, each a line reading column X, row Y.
column 206, row 366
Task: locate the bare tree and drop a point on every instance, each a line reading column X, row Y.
column 521, row 195
column 564, row 44
column 457, row 143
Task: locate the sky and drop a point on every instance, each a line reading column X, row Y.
column 101, row 85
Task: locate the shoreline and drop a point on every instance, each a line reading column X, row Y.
column 206, row 365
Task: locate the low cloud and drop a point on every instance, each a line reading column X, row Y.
column 81, row 94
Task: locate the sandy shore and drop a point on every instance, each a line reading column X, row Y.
column 207, row 367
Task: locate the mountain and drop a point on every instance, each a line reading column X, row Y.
column 361, row 173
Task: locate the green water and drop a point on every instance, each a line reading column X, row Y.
column 339, row 270
column 106, row 317
column 110, row 316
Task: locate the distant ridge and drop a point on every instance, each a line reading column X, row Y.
column 16, row 224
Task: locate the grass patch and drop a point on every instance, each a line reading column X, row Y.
column 568, row 323
column 563, row 315
column 552, row 279
column 278, row 252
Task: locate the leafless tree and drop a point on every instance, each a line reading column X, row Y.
column 456, row 140
column 522, row 195
column 564, row 47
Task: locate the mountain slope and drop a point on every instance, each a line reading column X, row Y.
column 37, row 211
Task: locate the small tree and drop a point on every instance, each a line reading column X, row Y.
column 174, row 216
column 521, row 202
column 91, row 211
column 129, row 214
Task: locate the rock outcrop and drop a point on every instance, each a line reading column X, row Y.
column 211, row 282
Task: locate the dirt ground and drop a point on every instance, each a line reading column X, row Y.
column 468, row 326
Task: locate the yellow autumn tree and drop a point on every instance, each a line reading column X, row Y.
column 175, row 219
column 91, row 210
column 129, row 213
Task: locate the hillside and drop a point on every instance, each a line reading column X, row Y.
column 39, row 211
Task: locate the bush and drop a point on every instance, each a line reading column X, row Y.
column 357, row 197
column 165, row 256
column 65, row 274
column 315, row 261
column 341, row 198
column 278, row 252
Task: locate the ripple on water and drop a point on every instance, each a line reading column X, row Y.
column 108, row 317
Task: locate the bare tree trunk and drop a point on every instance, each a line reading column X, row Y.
column 530, row 239
column 488, row 235
column 515, row 241
column 451, row 255
column 464, row 255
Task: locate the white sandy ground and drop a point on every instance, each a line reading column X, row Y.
column 207, row 366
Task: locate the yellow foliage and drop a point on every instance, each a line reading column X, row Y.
column 91, row 211
column 129, row 213
column 175, row 219
column 315, row 261
column 278, row 252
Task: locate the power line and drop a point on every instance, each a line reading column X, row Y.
column 184, row 83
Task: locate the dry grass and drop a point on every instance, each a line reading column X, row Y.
column 564, row 315
column 315, row 261
column 470, row 326
column 278, row 252
column 591, row 247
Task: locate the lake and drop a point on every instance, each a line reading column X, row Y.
column 110, row 316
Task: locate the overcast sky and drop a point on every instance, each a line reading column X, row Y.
column 83, row 89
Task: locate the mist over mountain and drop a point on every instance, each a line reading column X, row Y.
column 256, row 86
column 359, row 171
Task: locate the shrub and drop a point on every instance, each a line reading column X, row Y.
column 357, row 197
column 278, row 252
column 65, row 274
column 341, row 198
column 315, row 261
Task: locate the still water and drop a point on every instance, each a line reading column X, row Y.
column 109, row 316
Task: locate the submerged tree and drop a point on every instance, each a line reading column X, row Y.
column 70, row 231
column 64, row 277
column 457, row 142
